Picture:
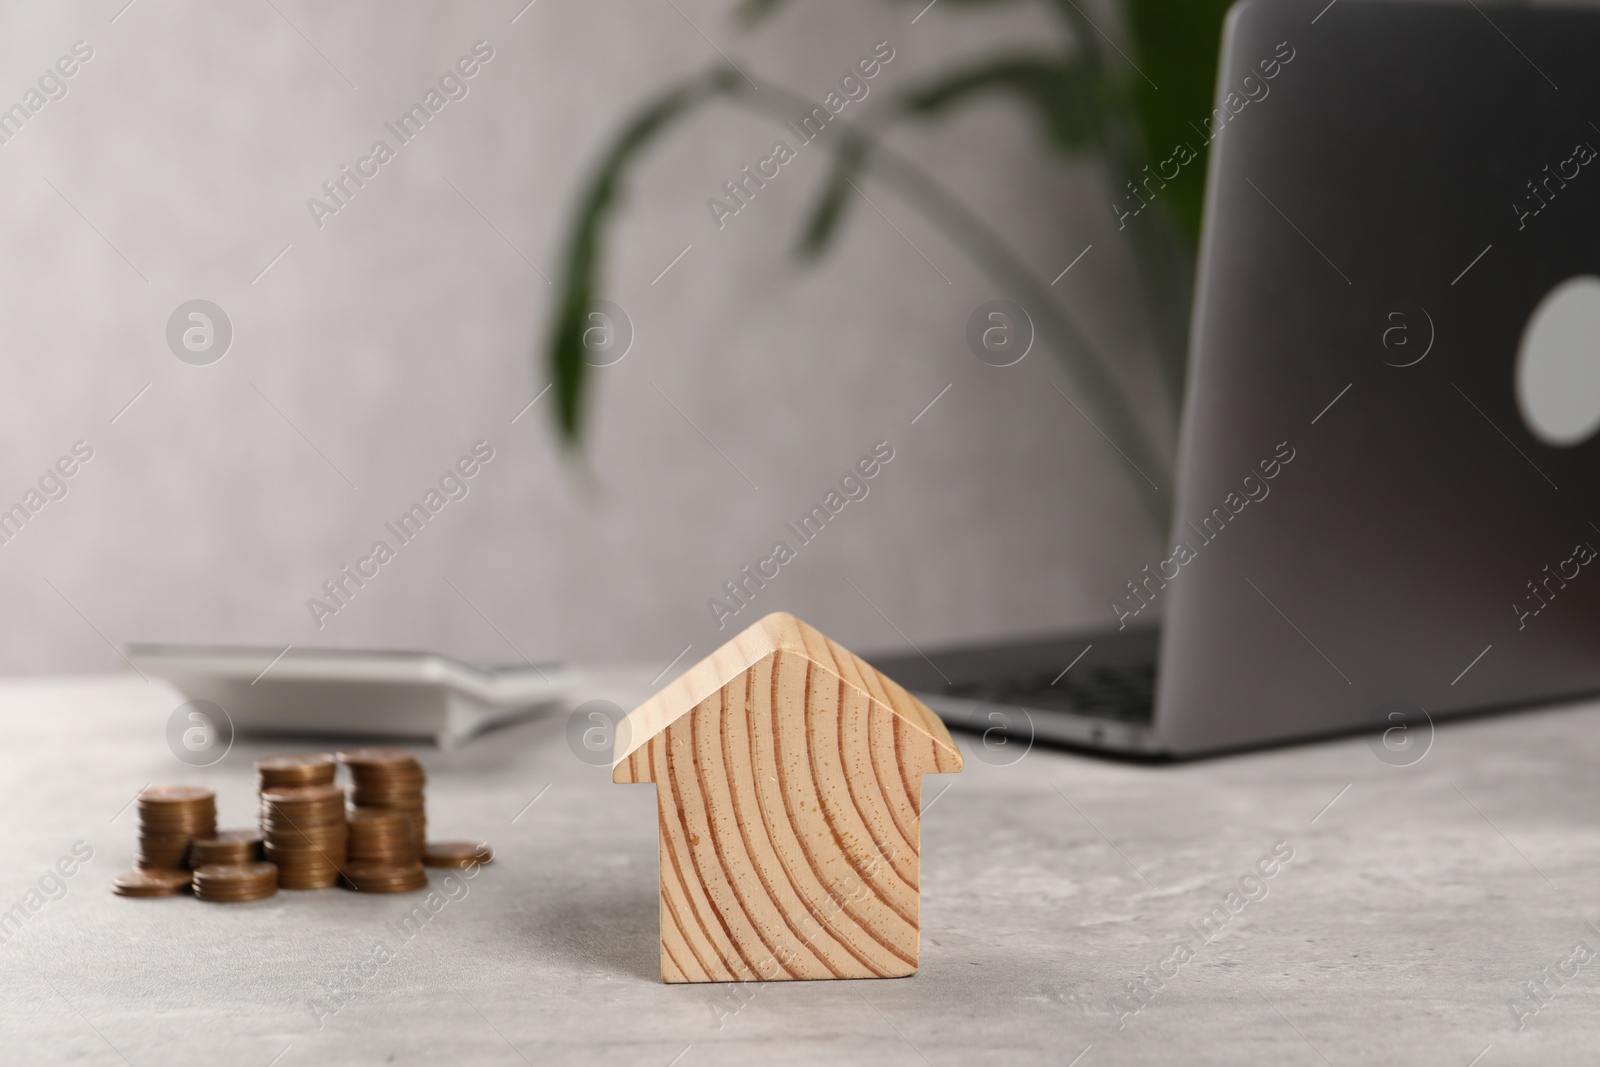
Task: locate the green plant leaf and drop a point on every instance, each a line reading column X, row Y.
column 1066, row 102
column 1177, row 44
column 1071, row 103
column 752, row 12
column 830, row 207
column 601, row 198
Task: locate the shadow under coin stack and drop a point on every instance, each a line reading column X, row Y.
column 171, row 817
column 383, row 855
column 389, row 778
column 235, row 883
column 305, row 834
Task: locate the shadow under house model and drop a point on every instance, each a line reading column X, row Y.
column 789, row 778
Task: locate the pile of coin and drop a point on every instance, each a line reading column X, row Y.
column 383, row 853
column 308, row 839
column 311, row 768
column 389, row 778
column 305, row 834
column 170, row 818
column 379, row 835
column 227, row 846
column 234, row 883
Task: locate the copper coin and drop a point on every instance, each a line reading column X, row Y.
column 385, row 878
column 234, row 873
column 229, row 846
column 278, row 822
column 150, row 883
column 312, row 824
column 458, row 854
column 391, row 887
column 395, row 774
column 176, row 794
column 303, row 794
column 296, row 761
column 191, row 828
column 377, row 818
column 310, row 768
column 305, row 851
column 377, row 757
column 327, row 881
column 235, row 882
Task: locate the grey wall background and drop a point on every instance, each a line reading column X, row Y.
column 378, row 348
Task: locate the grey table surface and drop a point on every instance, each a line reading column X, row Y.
column 1419, row 903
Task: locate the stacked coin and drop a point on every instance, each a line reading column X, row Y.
column 150, row 883
column 389, row 778
column 382, row 878
column 313, row 768
column 233, row 883
column 305, row 834
column 383, row 853
column 228, row 846
column 458, row 854
column 170, row 817
column 381, row 835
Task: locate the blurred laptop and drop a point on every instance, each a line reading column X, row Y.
column 1384, row 505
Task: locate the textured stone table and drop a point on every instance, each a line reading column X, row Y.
column 1417, row 903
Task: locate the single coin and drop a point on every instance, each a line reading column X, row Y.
column 176, row 794
column 376, row 818
column 327, row 881
column 302, row 794
column 177, row 824
column 150, row 883
column 399, row 789
column 376, row 757
column 305, row 774
column 224, row 873
column 457, row 854
column 330, row 851
column 234, row 837
column 180, row 814
column 303, row 763
column 323, row 831
column 171, row 833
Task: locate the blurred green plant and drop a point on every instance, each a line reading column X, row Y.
column 1090, row 97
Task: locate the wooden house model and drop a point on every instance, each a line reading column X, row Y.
column 788, row 774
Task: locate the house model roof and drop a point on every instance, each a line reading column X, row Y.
column 778, row 632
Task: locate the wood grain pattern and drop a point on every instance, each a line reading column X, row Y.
column 789, row 787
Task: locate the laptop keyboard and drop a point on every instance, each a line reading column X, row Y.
column 1123, row 692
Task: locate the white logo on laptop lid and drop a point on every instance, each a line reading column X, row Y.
column 1558, row 364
